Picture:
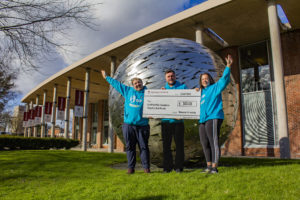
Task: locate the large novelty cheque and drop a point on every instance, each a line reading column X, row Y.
column 174, row 104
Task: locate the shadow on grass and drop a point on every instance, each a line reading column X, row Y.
column 159, row 197
column 29, row 164
column 242, row 162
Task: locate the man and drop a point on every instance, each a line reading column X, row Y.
column 135, row 129
column 172, row 128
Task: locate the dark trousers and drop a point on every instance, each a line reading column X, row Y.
column 170, row 130
column 209, row 137
column 137, row 135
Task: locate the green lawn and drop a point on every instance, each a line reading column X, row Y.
column 88, row 175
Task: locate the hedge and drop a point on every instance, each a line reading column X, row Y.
column 17, row 142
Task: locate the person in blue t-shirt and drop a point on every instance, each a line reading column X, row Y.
column 172, row 128
column 212, row 115
column 135, row 129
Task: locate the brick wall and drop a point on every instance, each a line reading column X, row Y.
column 291, row 62
column 233, row 145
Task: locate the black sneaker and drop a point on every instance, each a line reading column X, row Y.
column 206, row 170
column 214, row 170
column 167, row 170
column 179, row 170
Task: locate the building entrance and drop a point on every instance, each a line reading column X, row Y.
column 257, row 101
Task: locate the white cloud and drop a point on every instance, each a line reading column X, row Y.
column 116, row 19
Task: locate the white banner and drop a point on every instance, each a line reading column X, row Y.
column 25, row 124
column 173, row 104
column 30, row 123
column 37, row 121
column 78, row 111
column 60, row 115
column 47, row 118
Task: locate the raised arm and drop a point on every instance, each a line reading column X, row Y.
column 225, row 79
column 103, row 74
column 121, row 88
column 229, row 60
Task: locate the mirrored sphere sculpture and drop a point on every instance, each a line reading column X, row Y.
column 188, row 59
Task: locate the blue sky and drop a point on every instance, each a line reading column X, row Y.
column 192, row 3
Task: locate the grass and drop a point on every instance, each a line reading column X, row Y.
column 88, row 175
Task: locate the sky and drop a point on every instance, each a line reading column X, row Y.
column 116, row 19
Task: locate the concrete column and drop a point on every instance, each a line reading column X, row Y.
column 67, row 110
column 25, row 128
column 35, row 129
column 110, row 128
column 43, row 125
column 53, row 116
column 282, row 122
column 85, row 108
column 199, row 33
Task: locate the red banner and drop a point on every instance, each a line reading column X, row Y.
column 29, row 114
column 38, row 111
column 48, row 108
column 25, row 117
column 61, row 103
column 79, row 98
column 32, row 114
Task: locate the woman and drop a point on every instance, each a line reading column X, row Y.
column 212, row 115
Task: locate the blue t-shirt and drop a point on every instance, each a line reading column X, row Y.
column 133, row 108
column 176, row 86
column 211, row 106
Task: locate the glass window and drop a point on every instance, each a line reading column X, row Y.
column 94, row 136
column 257, row 104
column 105, row 123
column 255, row 70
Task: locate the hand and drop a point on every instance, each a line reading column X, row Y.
column 197, row 89
column 229, row 60
column 103, row 73
column 163, row 88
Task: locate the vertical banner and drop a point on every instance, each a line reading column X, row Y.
column 48, row 111
column 38, row 115
column 61, row 108
column 78, row 109
column 25, row 119
column 31, row 118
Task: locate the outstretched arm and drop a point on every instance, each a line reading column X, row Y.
column 229, row 60
column 121, row 88
column 225, row 79
column 103, row 74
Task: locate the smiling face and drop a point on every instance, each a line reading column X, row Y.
column 170, row 78
column 205, row 80
column 137, row 84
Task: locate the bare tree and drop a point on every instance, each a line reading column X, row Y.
column 29, row 29
column 5, row 120
column 6, row 93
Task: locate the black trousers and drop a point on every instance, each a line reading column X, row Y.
column 170, row 130
column 209, row 133
column 137, row 135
